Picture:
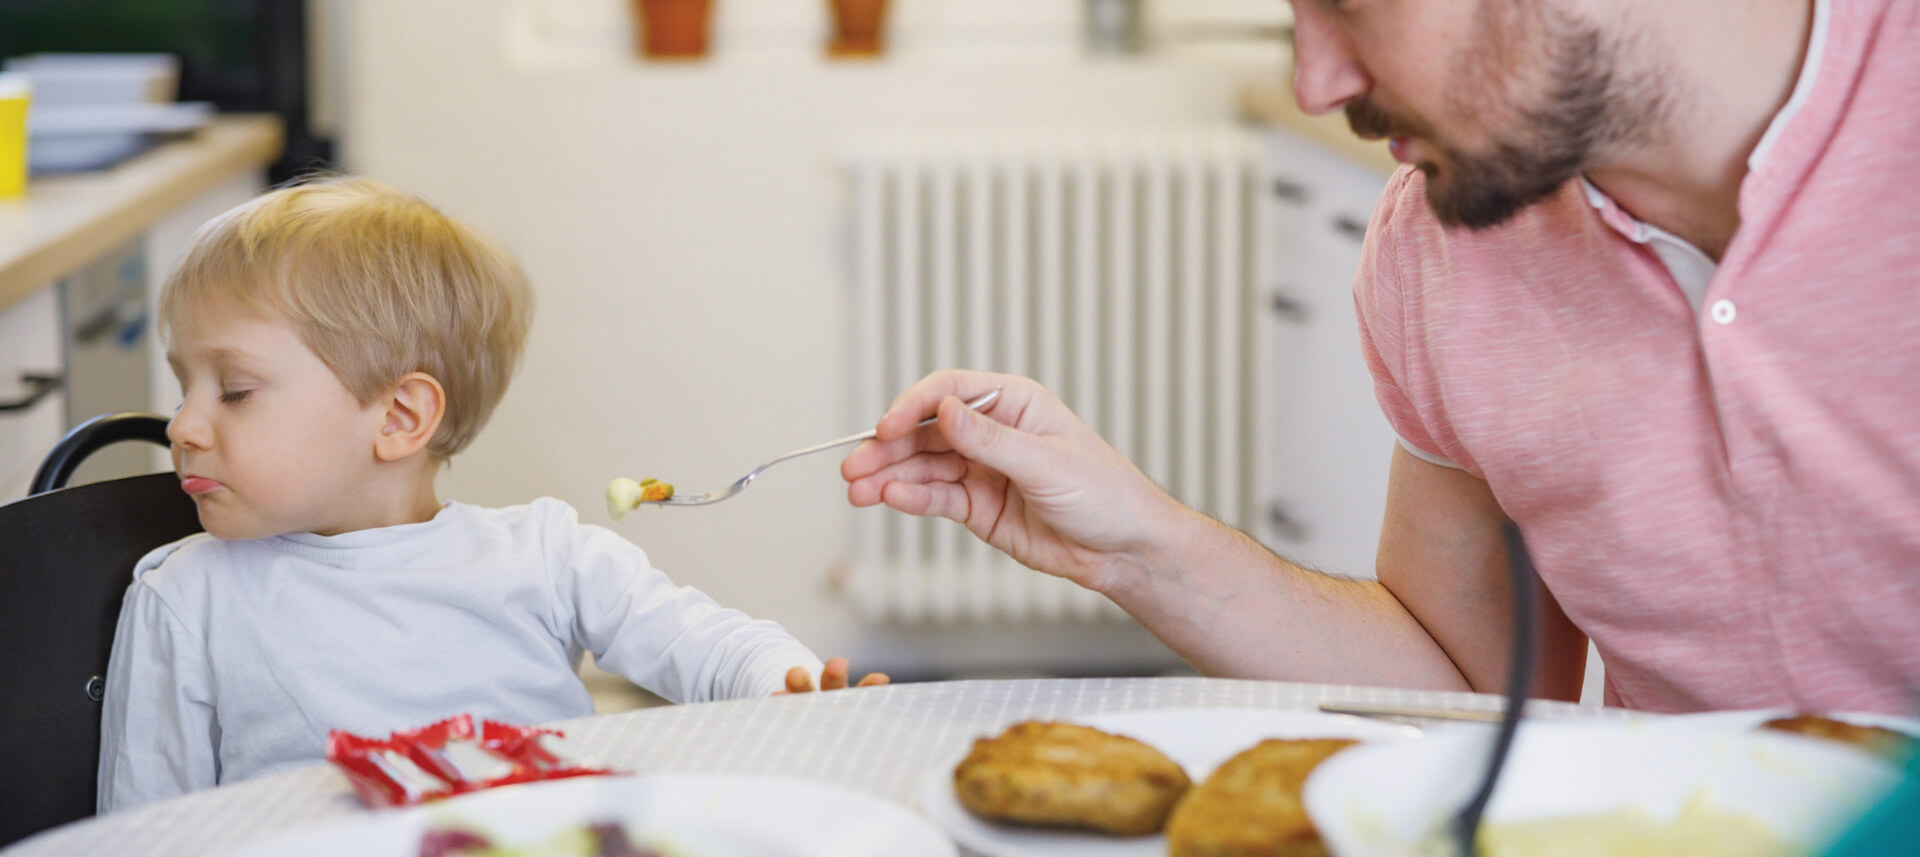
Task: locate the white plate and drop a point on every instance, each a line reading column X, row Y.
column 1198, row 739
column 1384, row 801
column 700, row 815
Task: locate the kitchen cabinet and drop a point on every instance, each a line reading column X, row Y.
column 1328, row 447
column 1326, row 462
column 29, row 346
column 82, row 257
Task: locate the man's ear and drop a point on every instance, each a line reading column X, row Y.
column 415, row 406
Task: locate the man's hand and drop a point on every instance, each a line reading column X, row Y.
column 1031, row 479
column 1027, row 477
column 834, row 677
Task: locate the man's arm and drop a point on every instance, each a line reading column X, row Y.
column 1033, row 480
column 1439, row 617
column 1443, row 559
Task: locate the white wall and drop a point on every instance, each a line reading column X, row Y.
column 682, row 224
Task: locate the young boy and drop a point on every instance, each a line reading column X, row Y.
column 336, row 343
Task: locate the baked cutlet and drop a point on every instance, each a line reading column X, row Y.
column 1873, row 739
column 1067, row 775
column 1250, row 806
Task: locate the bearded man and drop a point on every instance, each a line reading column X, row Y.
column 1648, row 287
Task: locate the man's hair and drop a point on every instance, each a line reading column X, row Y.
column 377, row 282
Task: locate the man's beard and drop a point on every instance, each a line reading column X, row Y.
column 1588, row 107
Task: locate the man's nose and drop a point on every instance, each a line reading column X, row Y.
column 1326, row 74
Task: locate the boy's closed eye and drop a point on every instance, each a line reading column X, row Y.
column 230, row 397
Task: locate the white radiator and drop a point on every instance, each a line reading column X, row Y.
column 1116, row 268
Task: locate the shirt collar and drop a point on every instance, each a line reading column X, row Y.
column 1640, row 233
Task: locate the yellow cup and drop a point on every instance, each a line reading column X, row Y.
column 15, row 92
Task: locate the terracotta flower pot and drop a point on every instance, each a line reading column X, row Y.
column 672, row 29
column 859, row 28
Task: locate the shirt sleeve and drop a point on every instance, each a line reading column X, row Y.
column 670, row 639
column 1379, row 305
column 158, row 733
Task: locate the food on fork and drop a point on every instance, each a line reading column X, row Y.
column 624, row 495
column 1873, row 739
column 1067, row 775
column 1250, row 805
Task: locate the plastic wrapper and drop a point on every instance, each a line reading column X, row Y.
column 450, row 758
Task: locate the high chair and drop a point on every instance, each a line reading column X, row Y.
column 66, row 558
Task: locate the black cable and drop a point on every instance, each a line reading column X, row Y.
column 1520, row 667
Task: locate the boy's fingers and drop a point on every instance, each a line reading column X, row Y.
column 834, row 677
column 798, row 681
column 875, row 680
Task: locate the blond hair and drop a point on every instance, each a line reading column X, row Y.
column 378, row 284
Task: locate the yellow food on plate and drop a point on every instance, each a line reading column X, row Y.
column 1250, row 806
column 1873, row 739
column 624, row 495
column 1067, row 775
column 1700, row 830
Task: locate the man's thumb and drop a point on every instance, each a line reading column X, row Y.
column 981, row 438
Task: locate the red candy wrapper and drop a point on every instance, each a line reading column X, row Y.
column 447, row 758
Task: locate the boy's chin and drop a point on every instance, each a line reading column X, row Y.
column 234, row 531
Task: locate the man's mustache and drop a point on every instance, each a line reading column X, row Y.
column 1371, row 122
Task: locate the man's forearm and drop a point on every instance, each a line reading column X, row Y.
column 1231, row 608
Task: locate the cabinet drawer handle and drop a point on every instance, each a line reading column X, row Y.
column 38, row 386
column 1290, row 190
column 1284, row 523
column 1348, row 226
column 1288, row 307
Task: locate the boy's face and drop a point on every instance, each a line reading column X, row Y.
column 267, row 439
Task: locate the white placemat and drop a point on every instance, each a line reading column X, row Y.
column 877, row 740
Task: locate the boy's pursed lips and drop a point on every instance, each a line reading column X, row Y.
column 194, row 484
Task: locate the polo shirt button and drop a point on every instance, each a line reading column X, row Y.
column 1723, row 311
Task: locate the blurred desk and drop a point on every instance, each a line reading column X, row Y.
column 882, row 741
column 66, row 221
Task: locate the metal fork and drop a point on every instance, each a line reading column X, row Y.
column 979, row 403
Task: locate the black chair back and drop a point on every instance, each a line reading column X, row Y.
column 66, row 558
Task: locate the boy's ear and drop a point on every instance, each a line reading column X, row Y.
column 415, row 406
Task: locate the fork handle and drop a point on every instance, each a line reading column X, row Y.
column 976, row 403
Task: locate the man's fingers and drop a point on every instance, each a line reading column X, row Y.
column 798, row 681
column 873, row 456
column 918, row 402
column 875, row 680
column 937, row 500
column 923, row 468
column 923, row 398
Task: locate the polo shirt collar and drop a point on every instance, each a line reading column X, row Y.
column 1690, row 267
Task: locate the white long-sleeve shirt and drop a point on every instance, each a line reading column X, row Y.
column 233, row 659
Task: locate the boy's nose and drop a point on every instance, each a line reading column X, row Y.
column 187, row 429
column 1326, row 74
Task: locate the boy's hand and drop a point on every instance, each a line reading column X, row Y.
column 834, row 677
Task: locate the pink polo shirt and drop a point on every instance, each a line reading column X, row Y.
column 1726, row 500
